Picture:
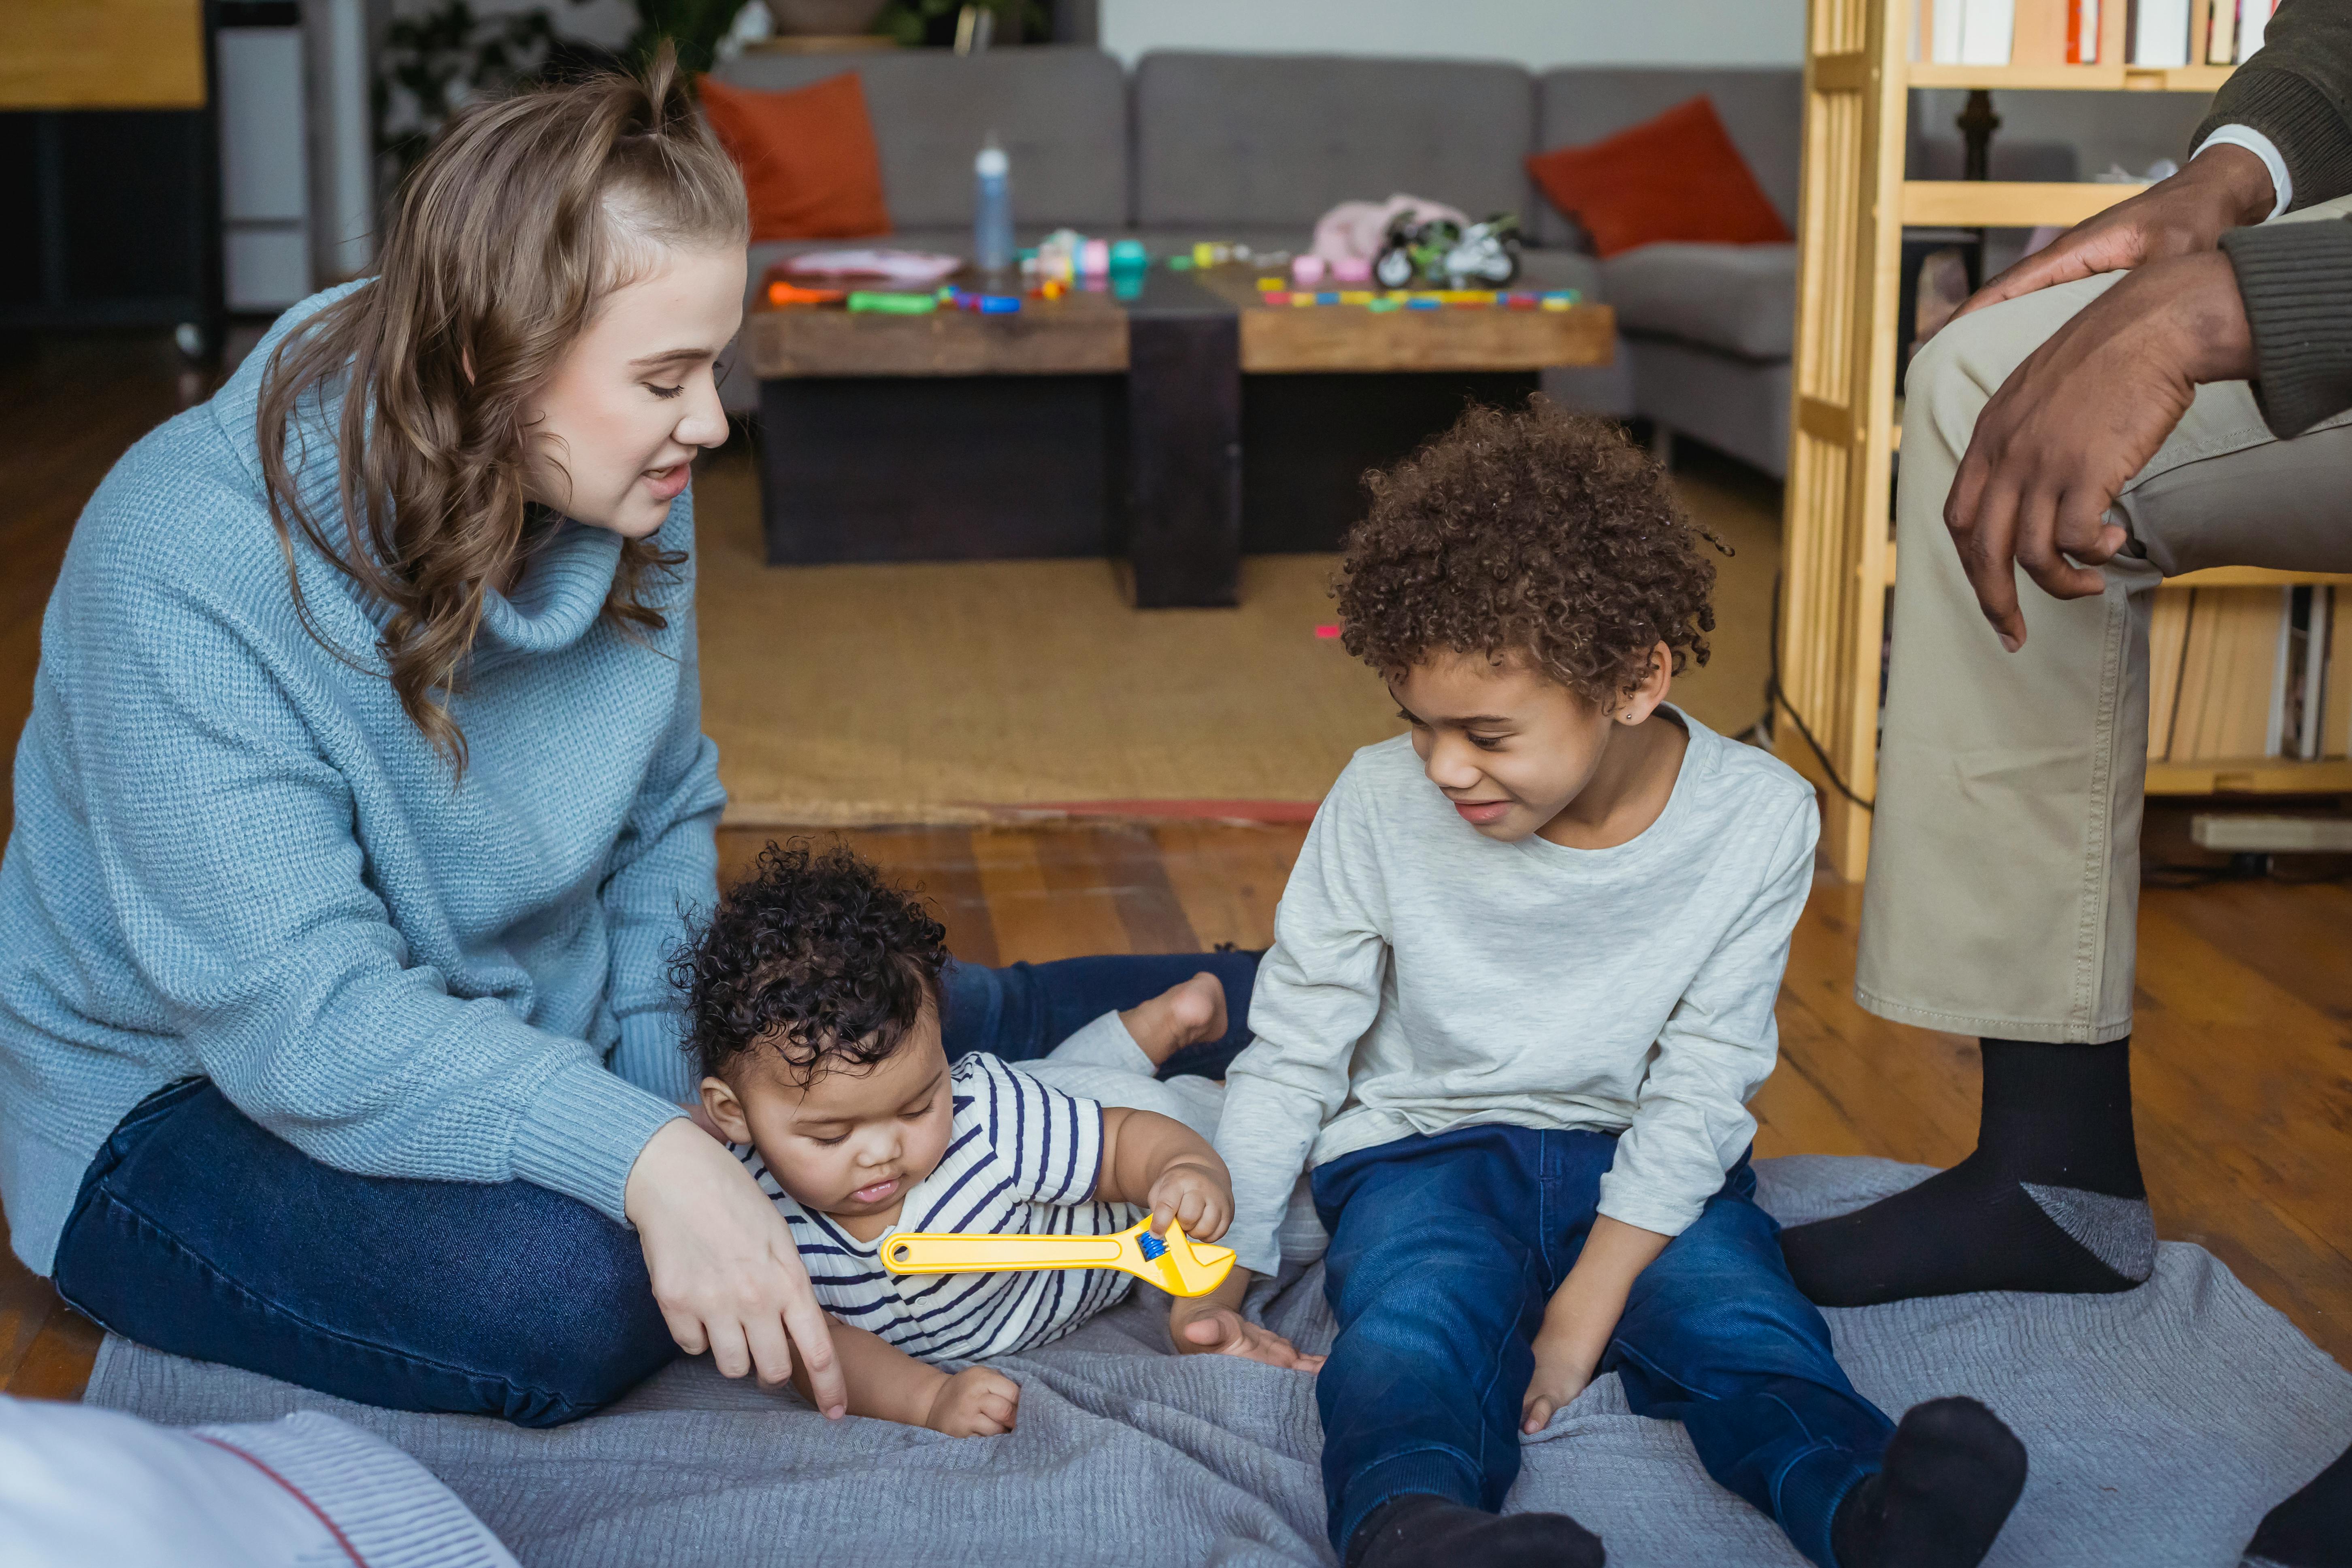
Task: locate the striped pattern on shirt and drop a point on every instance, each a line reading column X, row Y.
column 1024, row 1159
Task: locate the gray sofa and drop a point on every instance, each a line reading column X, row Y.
column 1237, row 147
column 1255, row 147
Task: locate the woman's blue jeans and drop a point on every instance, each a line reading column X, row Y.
column 200, row 1233
column 1445, row 1252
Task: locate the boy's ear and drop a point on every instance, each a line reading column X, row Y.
column 725, row 1110
column 1643, row 700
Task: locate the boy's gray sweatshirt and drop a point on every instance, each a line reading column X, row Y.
column 1424, row 977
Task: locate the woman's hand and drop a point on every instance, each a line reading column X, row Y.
column 725, row 1271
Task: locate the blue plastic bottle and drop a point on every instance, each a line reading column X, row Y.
column 992, row 223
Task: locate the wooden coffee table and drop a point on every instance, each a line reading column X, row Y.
column 1090, row 425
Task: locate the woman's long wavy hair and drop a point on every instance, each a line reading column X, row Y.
column 527, row 212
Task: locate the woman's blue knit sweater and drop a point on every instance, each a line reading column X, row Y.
column 234, row 857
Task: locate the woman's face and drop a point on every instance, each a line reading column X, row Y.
column 618, row 427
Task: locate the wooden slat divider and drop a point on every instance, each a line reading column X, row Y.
column 2007, row 203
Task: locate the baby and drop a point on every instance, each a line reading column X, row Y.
column 814, row 994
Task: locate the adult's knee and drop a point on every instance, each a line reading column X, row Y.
column 1956, row 373
column 1950, row 380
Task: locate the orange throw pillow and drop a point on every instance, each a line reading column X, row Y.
column 807, row 156
column 1675, row 177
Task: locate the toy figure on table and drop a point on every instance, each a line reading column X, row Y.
column 1444, row 253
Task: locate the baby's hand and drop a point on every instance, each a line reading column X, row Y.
column 1201, row 1197
column 975, row 1403
column 1563, row 1368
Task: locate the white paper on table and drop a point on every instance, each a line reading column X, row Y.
column 918, row 267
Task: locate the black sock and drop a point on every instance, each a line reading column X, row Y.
column 1952, row 1473
column 1418, row 1529
column 2311, row 1528
column 2051, row 1200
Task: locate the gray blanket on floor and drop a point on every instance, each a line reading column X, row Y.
column 2161, row 1423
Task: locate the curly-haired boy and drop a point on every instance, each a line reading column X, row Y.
column 813, row 1003
column 1521, row 989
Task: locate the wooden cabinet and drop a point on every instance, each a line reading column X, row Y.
column 109, row 167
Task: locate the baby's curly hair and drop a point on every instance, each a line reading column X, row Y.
column 1541, row 532
column 812, row 956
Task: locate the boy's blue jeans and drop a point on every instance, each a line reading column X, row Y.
column 197, row 1231
column 1445, row 1252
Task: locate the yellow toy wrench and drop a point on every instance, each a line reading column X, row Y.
column 1175, row 1263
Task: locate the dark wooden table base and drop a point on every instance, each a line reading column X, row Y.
column 1308, row 440
column 942, row 467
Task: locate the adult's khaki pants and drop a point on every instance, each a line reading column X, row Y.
column 2003, row 891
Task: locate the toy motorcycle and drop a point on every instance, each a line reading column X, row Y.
column 1443, row 254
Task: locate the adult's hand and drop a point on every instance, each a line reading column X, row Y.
column 725, row 1271
column 2222, row 189
column 2073, row 424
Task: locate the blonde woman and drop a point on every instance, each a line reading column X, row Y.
column 362, row 801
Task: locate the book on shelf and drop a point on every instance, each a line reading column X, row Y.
column 2159, row 32
column 2165, row 34
column 1969, row 32
column 2040, row 33
column 2335, row 703
column 2168, row 638
column 2239, row 673
column 2220, row 39
column 2170, row 33
column 2253, row 19
column 2082, row 32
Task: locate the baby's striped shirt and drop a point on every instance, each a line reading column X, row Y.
column 1023, row 1158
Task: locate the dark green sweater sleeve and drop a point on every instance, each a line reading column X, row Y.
column 2297, row 90
column 2297, row 280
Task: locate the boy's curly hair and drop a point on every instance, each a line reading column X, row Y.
column 813, row 956
column 1539, row 532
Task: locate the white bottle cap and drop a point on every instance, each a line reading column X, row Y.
column 991, row 164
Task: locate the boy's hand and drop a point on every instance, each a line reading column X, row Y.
column 975, row 1403
column 1189, row 1191
column 1213, row 1325
column 1221, row 1330
column 1564, row 1367
column 1582, row 1315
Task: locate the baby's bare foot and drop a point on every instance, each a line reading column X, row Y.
column 1182, row 1016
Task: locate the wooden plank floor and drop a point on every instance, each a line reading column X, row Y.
column 2243, row 1065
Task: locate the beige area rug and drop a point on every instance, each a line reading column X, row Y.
column 981, row 691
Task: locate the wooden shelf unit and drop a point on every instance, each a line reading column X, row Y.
column 2006, row 203
column 2070, row 78
column 1838, row 548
